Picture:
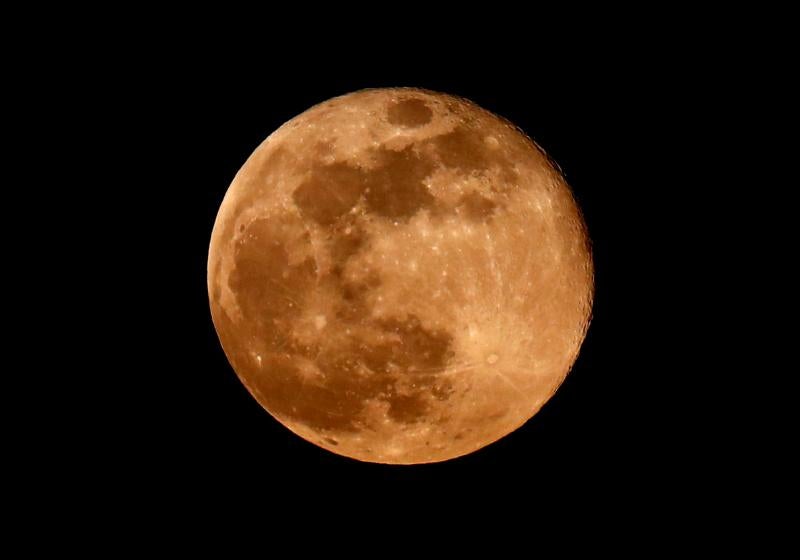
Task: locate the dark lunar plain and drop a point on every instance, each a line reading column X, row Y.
column 192, row 430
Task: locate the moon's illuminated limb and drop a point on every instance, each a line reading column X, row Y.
column 400, row 276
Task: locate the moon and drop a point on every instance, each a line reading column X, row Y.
column 399, row 276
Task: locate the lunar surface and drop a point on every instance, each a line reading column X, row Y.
column 400, row 276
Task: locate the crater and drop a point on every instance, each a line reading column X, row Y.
column 410, row 113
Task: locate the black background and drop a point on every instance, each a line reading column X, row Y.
column 134, row 126
column 611, row 430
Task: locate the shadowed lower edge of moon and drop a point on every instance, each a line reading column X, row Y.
column 323, row 382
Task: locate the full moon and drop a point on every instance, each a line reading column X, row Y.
column 400, row 276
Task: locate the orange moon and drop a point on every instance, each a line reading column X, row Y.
column 400, row 276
